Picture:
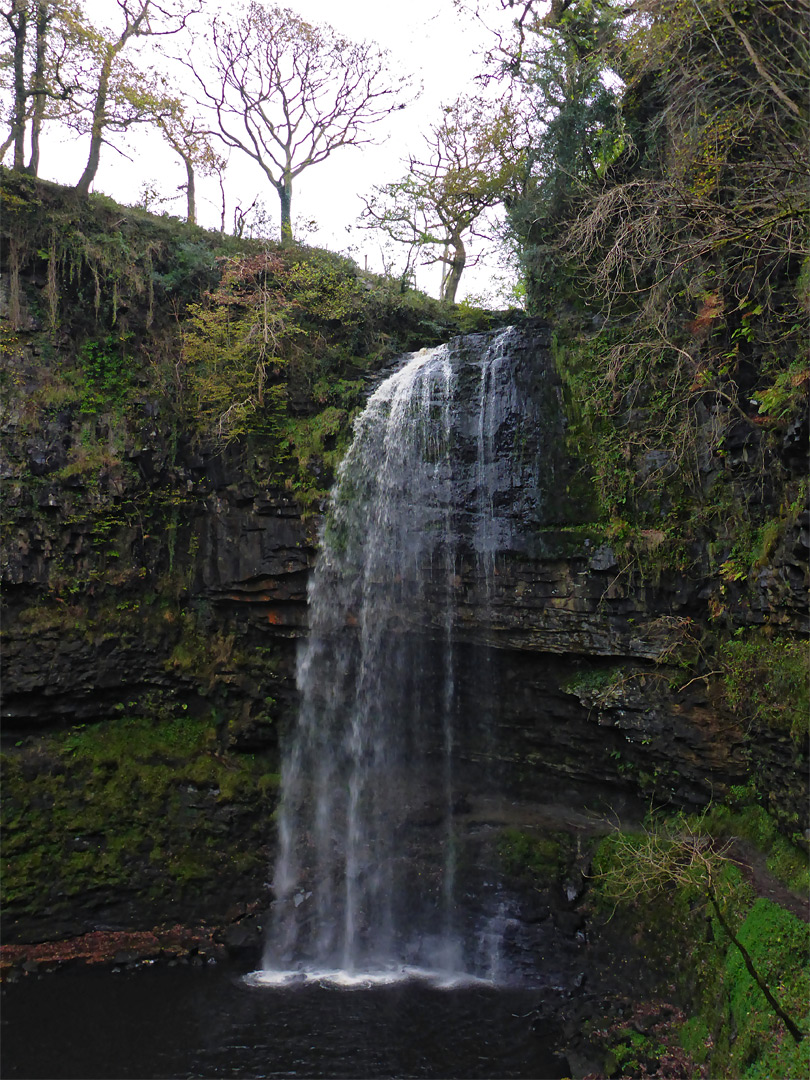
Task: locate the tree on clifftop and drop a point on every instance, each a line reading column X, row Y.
column 40, row 69
column 288, row 94
column 472, row 162
column 566, row 62
column 57, row 65
column 123, row 96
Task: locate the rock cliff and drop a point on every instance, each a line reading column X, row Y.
column 155, row 591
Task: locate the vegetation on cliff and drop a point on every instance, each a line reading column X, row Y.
column 228, row 337
column 138, row 817
column 675, row 264
column 666, row 237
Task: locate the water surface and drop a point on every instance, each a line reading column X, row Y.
column 185, row 1023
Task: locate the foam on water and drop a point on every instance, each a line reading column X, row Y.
column 365, row 980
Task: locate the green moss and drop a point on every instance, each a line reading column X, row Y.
column 94, row 808
column 596, row 684
column 269, row 783
column 543, row 857
column 121, row 742
column 751, row 549
column 779, row 945
column 696, row 1039
column 317, row 444
column 631, row 1053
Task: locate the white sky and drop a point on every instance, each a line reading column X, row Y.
column 427, row 39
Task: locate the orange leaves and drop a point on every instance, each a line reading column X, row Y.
column 245, row 280
column 711, row 308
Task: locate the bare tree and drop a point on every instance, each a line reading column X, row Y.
column 44, row 14
column 288, row 94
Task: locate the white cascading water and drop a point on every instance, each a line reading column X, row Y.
column 373, row 754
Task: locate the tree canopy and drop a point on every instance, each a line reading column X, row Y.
column 42, row 71
column 62, row 67
column 637, row 148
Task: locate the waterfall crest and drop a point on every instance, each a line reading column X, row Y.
column 369, row 774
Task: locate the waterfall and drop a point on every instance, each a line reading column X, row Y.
column 366, row 877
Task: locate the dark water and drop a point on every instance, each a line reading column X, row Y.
column 181, row 1022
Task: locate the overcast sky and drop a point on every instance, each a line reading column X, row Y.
column 431, row 41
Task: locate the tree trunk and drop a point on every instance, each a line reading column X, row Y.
column 97, row 128
column 132, row 29
column 39, row 85
column 284, row 190
column 18, row 121
column 191, row 193
column 455, row 267
column 789, row 1023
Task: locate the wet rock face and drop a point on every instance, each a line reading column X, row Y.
column 557, row 728
column 514, row 476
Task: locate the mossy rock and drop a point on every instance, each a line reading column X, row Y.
column 544, row 857
column 133, row 807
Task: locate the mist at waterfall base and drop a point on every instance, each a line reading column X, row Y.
column 394, row 949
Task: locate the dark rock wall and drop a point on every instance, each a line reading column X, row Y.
column 106, row 596
column 96, row 571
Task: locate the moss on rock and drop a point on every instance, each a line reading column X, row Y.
column 107, row 812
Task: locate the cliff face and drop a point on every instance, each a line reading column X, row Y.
column 149, row 655
column 107, row 598
column 155, row 590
